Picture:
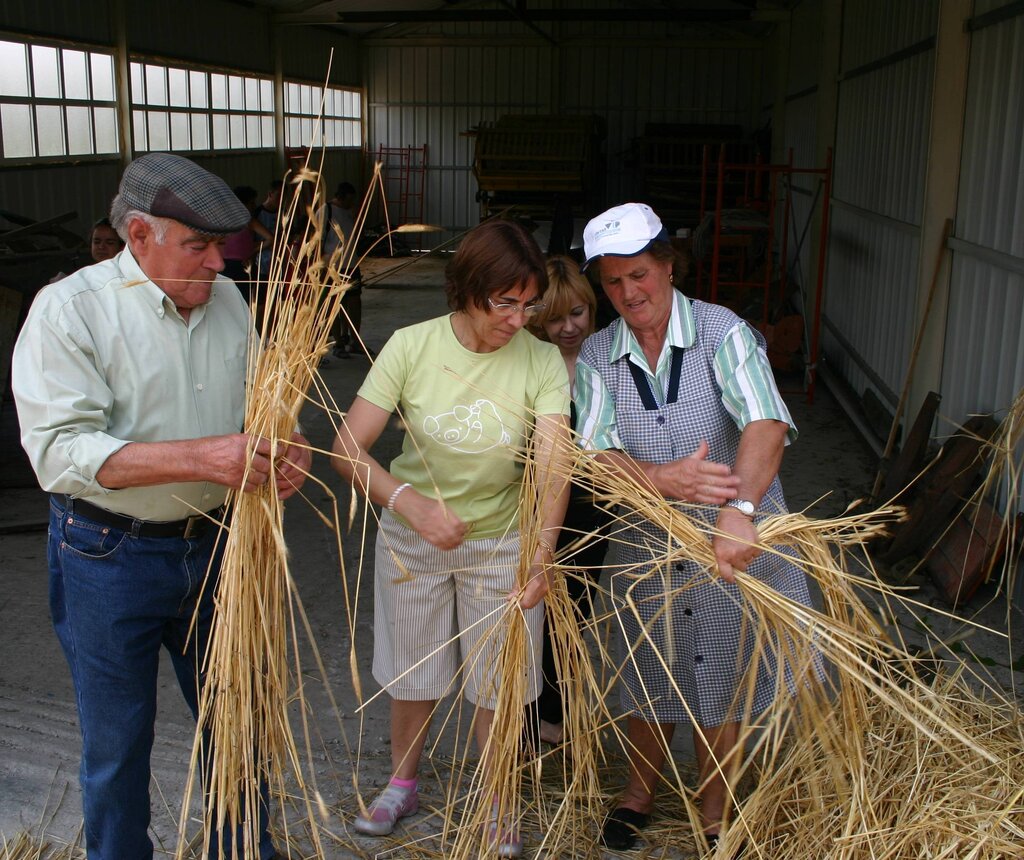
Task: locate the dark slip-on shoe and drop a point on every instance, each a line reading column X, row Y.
column 621, row 828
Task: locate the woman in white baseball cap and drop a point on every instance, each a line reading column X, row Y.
column 679, row 393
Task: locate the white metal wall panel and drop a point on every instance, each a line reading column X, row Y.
column 872, row 279
column 250, row 168
column 990, row 207
column 984, row 356
column 566, row 31
column 873, row 29
column 984, row 364
column 881, row 136
column 432, row 95
column 882, row 124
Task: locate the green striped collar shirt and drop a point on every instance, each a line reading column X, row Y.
column 742, row 371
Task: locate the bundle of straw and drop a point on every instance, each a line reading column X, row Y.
column 249, row 679
column 825, row 730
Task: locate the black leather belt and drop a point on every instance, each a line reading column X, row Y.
column 189, row 527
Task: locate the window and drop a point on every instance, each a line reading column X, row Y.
column 339, row 125
column 56, row 102
column 187, row 110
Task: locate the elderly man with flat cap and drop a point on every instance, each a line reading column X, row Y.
column 129, row 378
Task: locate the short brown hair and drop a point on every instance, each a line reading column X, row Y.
column 494, row 256
column 567, row 287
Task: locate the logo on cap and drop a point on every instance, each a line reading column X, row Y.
column 610, row 228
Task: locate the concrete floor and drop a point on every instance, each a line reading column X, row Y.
column 827, row 468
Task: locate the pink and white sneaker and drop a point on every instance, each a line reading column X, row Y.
column 393, row 803
column 503, row 836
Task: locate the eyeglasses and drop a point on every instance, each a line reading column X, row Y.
column 507, row 309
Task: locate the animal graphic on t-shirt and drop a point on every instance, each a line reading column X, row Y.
column 471, row 429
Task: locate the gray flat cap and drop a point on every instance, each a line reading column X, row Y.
column 169, row 186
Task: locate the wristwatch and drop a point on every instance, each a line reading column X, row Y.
column 743, row 506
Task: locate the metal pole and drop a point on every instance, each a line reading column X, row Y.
column 819, row 287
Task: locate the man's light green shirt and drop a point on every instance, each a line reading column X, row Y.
column 105, row 359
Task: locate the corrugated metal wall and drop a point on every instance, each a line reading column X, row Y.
column 472, row 73
column 631, row 85
column 201, row 30
column 800, row 135
column 877, row 28
column 800, row 130
column 984, row 365
column 68, row 19
column 433, row 95
column 805, row 48
column 880, row 151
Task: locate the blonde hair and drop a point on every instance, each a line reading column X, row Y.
column 567, row 287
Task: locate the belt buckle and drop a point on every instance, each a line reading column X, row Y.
column 190, row 525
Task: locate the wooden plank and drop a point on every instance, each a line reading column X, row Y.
column 37, row 227
column 943, row 489
column 908, row 463
column 967, row 552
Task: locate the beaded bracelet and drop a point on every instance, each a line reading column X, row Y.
column 394, row 496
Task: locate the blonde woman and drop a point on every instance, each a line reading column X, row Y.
column 567, row 320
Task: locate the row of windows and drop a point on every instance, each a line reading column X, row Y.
column 56, row 101
column 60, row 102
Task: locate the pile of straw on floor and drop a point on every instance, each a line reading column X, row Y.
column 27, row 845
column 897, row 792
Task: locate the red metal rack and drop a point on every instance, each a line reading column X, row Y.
column 403, row 171
column 762, row 193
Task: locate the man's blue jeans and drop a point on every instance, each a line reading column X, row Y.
column 116, row 600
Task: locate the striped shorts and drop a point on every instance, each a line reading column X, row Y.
column 444, row 614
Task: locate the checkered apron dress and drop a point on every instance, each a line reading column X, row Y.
column 686, row 657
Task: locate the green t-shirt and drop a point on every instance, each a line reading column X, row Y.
column 468, row 414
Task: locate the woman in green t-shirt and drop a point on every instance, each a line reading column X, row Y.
column 474, row 390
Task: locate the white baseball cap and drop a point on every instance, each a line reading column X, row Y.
column 622, row 231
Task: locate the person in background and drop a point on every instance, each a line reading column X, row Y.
column 104, row 243
column 473, row 389
column 240, row 246
column 266, row 214
column 566, row 321
column 338, row 215
column 130, row 403
column 679, row 394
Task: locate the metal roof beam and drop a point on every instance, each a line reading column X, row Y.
column 418, row 16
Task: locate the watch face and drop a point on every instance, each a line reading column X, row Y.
column 743, row 506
